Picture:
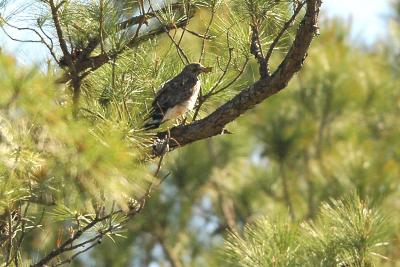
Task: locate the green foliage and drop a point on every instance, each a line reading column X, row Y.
column 44, row 143
column 265, row 243
column 56, row 166
column 334, row 130
column 346, row 233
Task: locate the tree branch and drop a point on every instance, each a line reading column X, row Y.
column 135, row 207
column 87, row 63
column 282, row 31
column 215, row 123
column 60, row 34
column 74, row 74
column 77, row 254
column 256, row 50
column 64, row 247
column 94, row 62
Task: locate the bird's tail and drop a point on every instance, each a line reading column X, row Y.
column 153, row 122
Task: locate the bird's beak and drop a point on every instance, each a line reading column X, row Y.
column 206, row 70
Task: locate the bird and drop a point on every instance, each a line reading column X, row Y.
column 176, row 97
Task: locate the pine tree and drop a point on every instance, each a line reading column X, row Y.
column 74, row 154
column 307, row 178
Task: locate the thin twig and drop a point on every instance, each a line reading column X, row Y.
column 241, row 71
column 64, row 246
column 207, row 37
column 20, row 40
column 213, row 90
column 10, row 236
column 165, row 151
column 203, row 43
column 101, row 25
column 184, row 28
column 144, row 17
column 60, row 34
column 41, row 39
column 60, row 4
column 77, row 254
column 225, row 71
column 257, row 50
column 181, row 53
column 282, row 31
column 46, row 35
column 21, row 238
column 202, row 98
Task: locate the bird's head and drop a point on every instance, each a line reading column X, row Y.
column 196, row 69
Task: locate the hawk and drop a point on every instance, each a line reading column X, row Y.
column 176, row 97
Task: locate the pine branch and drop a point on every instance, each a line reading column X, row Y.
column 78, row 253
column 64, row 247
column 85, row 63
column 215, row 123
column 60, row 34
column 135, row 208
column 92, row 63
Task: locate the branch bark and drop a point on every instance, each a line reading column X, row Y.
column 76, row 81
column 215, row 123
column 86, row 63
column 94, row 62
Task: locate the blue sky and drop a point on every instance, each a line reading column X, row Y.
column 368, row 19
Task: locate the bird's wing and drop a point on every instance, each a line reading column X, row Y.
column 174, row 92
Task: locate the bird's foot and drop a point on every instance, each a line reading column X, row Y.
column 184, row 121
column 180, row 121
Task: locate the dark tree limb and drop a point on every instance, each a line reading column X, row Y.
column 92, row 63
column 256, row 50
column 215, row 123
column 87, row 63
column 74, row 74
